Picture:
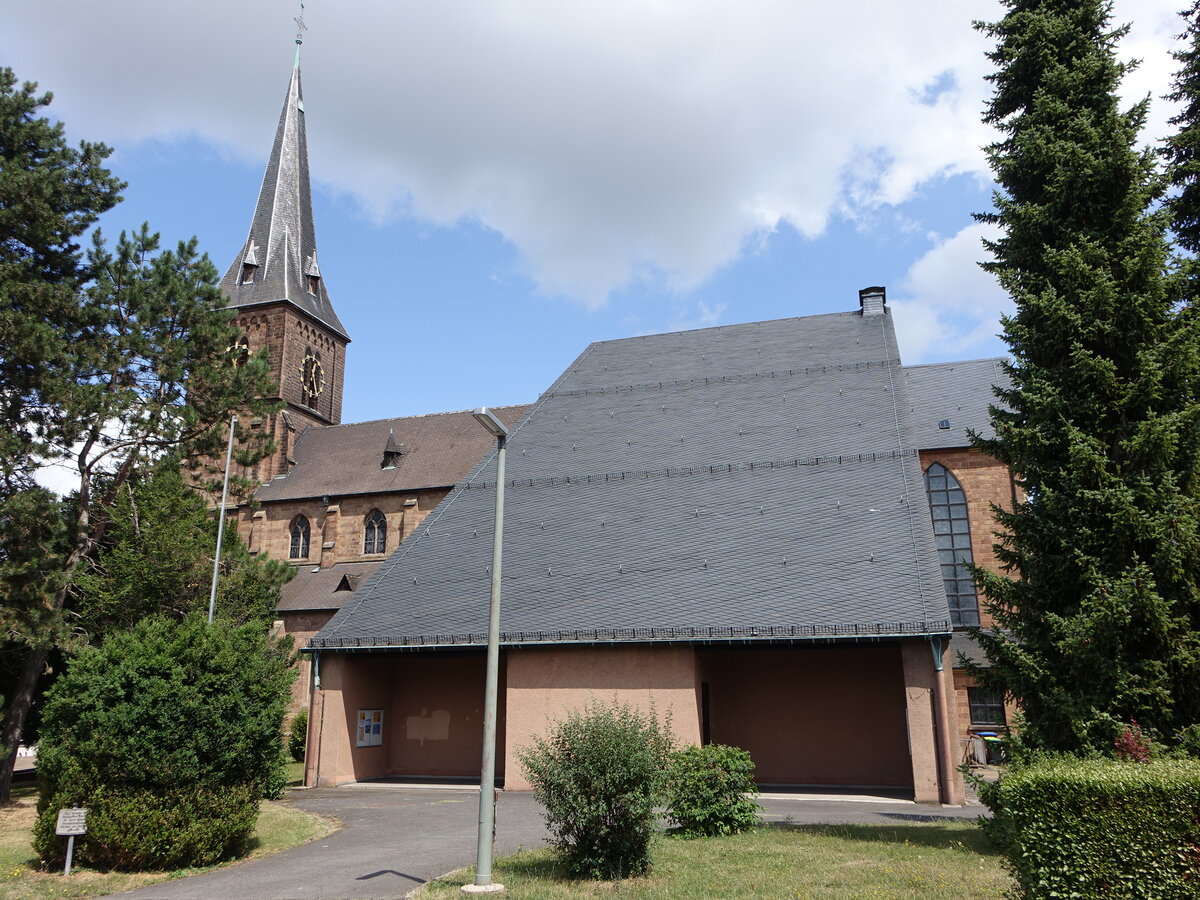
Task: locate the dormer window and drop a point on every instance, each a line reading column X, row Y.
column 312, row 274
column 393, row 451
column 250, row 263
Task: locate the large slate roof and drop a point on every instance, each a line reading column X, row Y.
column 957, row 393
column 282, row 242
column 736, row 483
column 437, row 450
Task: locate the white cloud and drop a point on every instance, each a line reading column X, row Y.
column 62, row 478
column 947, row 306
column 608, row 142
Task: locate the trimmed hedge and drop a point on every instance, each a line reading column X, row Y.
column 1100, row 828
column 711, row 790
column 172, row 828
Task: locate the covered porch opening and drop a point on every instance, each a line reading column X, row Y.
column 826, row 715
column 429, row 707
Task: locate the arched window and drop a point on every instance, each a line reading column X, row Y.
column 300, row 535
column 952, row 534
column 375, row 534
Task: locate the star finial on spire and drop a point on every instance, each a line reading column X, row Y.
column 300, row 29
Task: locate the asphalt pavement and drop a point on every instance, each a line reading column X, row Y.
column 395, row 838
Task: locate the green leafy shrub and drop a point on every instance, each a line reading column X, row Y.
column 169, row 733
column 710, row 790
column 599, row 776
column 298, row 735
column 1100, row 828
column 133, row 829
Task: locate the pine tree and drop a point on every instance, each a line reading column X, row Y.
column 50, row 194
column 152, row 375
column 156, row 559
column 1096, row 609
column 110, row 361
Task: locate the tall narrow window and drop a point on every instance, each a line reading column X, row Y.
column 952, row 534
column 375, row 534
column 300, row 536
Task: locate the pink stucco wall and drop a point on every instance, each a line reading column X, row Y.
column 544, row 684
column 432, row 721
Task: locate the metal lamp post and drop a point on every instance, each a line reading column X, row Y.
column 487, row 777
column 212, row 594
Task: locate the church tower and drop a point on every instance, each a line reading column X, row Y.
column 275, row 284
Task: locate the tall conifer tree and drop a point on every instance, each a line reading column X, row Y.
column 1182, row 149
column 1097, row 608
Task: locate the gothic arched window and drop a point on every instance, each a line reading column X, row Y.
column 300, row 536
column 375, row 533
column 952, row 534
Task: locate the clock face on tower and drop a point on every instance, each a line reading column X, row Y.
column 312, row 378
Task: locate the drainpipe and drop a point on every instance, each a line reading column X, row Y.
column 316, row 725
column 946, row 791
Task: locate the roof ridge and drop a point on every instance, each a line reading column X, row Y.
column 449, row 412
column 956, row 362
column 658, row 334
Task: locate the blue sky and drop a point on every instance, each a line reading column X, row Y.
column 498, row 184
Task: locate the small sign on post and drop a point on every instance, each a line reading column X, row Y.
column 71, row 821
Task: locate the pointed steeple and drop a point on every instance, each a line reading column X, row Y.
column 278, row 262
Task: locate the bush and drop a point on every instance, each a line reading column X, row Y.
column 711, row 789
column 298, row 735
column 1100, row 828
column 135, row 829
column 599, row 776
column 169, row 733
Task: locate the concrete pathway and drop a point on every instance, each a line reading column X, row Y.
column 394, row 838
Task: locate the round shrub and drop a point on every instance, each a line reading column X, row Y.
column 599, row 776
column 298, row 735
column 710, row 790
column 169, row 734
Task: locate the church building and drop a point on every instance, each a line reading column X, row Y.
column 760, row 530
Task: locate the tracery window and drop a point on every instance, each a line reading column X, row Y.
column 300, row 537
column 952, row 535
column 375, row 533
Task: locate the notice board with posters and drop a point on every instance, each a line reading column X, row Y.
column 370, row 728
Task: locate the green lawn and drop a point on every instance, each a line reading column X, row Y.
column 279, row 827
column 935, row 861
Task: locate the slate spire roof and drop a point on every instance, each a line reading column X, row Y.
column 278, row 262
